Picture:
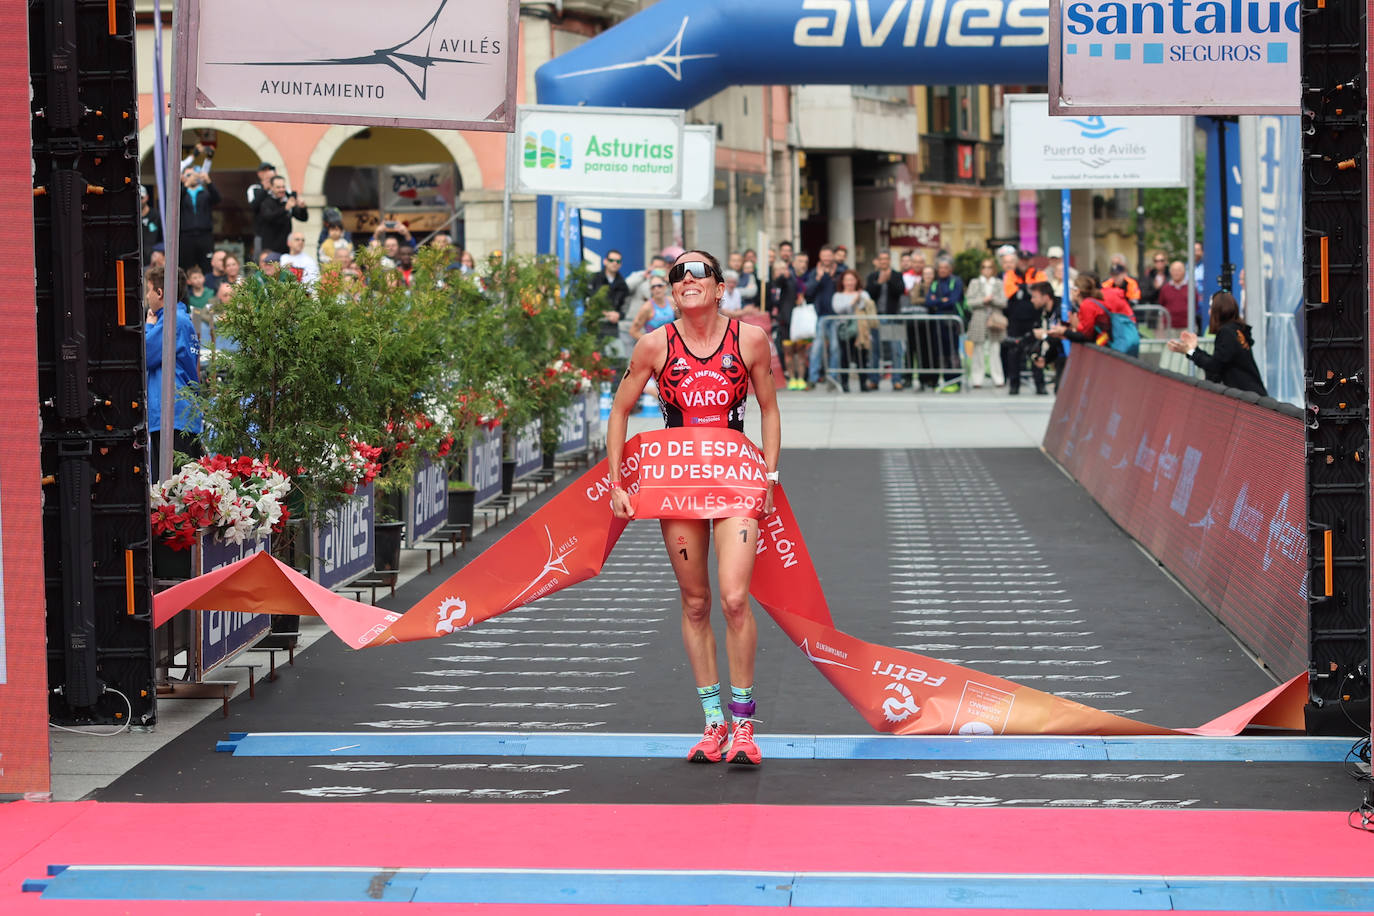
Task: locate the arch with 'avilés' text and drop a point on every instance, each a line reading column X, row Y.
column 677, row 53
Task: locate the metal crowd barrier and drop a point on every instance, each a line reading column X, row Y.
column 1153, row 320
column 924, row 349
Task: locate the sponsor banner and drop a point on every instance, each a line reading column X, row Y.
column 1239, row 57
column 1213, row 486
column 572, row 429
column 698, row 178
column 599, row 152
column 427, row 507
column 223, row 634
column 1091, row 152
column 432, row 186
column 484, row 463
column 437, row 64
column 529, row 448
column 569, row 539
column 905, row 233
column 342, row 543
column 23, row 607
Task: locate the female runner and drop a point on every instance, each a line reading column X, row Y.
column 703, row 352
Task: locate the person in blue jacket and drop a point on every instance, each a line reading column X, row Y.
column 187, row 421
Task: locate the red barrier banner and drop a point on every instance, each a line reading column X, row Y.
column 570, row 537
column 1213, row 486
column 23, row 643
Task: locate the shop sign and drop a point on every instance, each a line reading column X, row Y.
column 428, row 186
column 910, row 234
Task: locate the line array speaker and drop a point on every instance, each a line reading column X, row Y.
column 1336, row 230
column 91, row 369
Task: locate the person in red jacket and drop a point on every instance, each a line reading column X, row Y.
column 1093, row 304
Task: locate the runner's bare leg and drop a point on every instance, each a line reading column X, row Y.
column 687, row 541
column 737, row 541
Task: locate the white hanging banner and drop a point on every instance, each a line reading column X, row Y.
column 427, row 186
column 698, row 178
column 440, row 64
column 1238, row 57
column 614, row 153
column 1045, row 152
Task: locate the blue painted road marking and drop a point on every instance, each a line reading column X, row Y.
column 794, row 747
column 608, row 887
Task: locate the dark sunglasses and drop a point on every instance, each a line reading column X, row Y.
column 658, row 286
column 699, row 269
column 613, row 260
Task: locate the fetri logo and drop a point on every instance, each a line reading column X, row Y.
column 548, row 150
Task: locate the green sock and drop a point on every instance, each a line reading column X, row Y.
column 710, row 704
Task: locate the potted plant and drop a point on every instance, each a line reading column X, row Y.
column 289, row 389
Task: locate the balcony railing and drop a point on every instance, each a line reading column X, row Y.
column 955, row 160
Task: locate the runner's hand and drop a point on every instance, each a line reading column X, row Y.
column 620, row 504
column 768, row 500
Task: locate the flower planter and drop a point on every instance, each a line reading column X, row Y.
column 169, row 564
column 388, row 536
column 507, row 476
column 460, row 507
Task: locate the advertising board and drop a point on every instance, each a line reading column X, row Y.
column 484, row 463
column 223, row 634
column 343, row 547
column 529, row 452
column 616, row 153
column 1230, row 58
column 440, row 64
column 1212, row 486
column 698, row 177
column 572, row 429
column 1045, row 152
column 427, row 508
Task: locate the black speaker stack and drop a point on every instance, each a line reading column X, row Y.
column 90, row 362
column 1336, row 256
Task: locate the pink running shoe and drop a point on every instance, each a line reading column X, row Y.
column 742, row 748
column 711, row 745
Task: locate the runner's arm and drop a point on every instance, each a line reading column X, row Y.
column 644, row 361
column 759, row 356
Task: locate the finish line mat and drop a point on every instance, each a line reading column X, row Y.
column 563, row 859
column 701, row 473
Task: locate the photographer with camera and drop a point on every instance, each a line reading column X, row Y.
column 196, row 233
column 274, row 215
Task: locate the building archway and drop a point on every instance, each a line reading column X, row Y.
column 238, row 152
column 346, row 171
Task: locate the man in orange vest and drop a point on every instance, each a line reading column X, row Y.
column 1018, row 274
column 1122, row 280
column 1017, row 280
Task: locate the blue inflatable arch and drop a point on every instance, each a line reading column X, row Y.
column 678, row 53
